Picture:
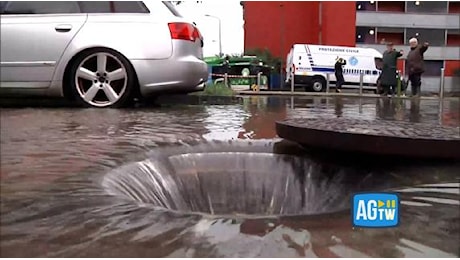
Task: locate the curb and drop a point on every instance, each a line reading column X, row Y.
column 198, row 100
column 169, row 100
column 323, row 94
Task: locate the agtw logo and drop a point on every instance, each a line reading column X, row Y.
column 375, row 210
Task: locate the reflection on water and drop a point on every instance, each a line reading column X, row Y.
column 54, row 163
column 412, row 110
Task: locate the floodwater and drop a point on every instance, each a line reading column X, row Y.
column 214, row 181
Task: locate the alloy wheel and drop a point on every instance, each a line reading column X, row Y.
column 101, row 79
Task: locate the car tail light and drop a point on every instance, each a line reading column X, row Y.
column 183, row 31
column 196, row 33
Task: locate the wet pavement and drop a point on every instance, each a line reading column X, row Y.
column 94, row 183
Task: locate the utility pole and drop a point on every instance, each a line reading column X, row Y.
column 220, row 33
column 320, row 36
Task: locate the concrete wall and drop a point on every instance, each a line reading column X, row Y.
column 433, row 52
column 431, row 85
column 405, row 20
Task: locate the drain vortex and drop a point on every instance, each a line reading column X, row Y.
column 235, row 178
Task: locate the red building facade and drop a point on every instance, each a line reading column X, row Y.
column 277, row 25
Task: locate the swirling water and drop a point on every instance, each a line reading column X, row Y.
column 150, row 183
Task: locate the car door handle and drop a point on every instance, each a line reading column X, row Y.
column 63, row 28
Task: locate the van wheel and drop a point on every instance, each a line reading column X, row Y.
column 318, row 84
column 102, row 78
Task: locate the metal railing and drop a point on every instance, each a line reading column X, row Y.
column 361, row 83
column 399, row 90
column 259, row 75
column 441, row 86
column 225, row 78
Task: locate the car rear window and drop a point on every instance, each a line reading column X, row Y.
column 2, row 6
column 172, row 8
column 39, row 7
column 67, row 7
column 113, row 7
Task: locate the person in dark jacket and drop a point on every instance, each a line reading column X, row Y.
column 338, row 69
column 388, row 77
column 415, row 64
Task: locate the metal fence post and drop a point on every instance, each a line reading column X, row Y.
column 328, row 78
column 361, row 79
column 441, row 111
column 292, row 81
column 441, row 87
column 258, row 80
column 226, row 79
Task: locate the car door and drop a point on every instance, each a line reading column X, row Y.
column 34, row 36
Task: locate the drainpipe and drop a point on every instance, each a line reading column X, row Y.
column 281, row 43
column 320, row 23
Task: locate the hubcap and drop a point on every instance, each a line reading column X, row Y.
column 317, row 86
column 101, row 79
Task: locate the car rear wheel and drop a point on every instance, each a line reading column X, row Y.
column 102, row 78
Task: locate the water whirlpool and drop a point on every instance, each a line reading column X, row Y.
column 234, row 178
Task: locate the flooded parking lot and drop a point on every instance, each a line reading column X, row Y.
column 214, row 181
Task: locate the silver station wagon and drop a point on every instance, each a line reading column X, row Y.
column 102, row 54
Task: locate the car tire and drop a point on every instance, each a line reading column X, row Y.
column 318, row 84
column 102, row 78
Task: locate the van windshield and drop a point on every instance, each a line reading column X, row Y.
column 378, row 63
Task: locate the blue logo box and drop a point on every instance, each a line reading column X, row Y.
column 375, row 210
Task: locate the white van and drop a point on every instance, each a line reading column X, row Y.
column 311, row 63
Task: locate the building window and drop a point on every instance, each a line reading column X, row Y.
column 432, row 68
column 365, row 5
column 454, row 7
column 427, row 6
column 453, row 37
column 436, row 37
column 365, row 35
column 391, row 6
column 394, row 35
